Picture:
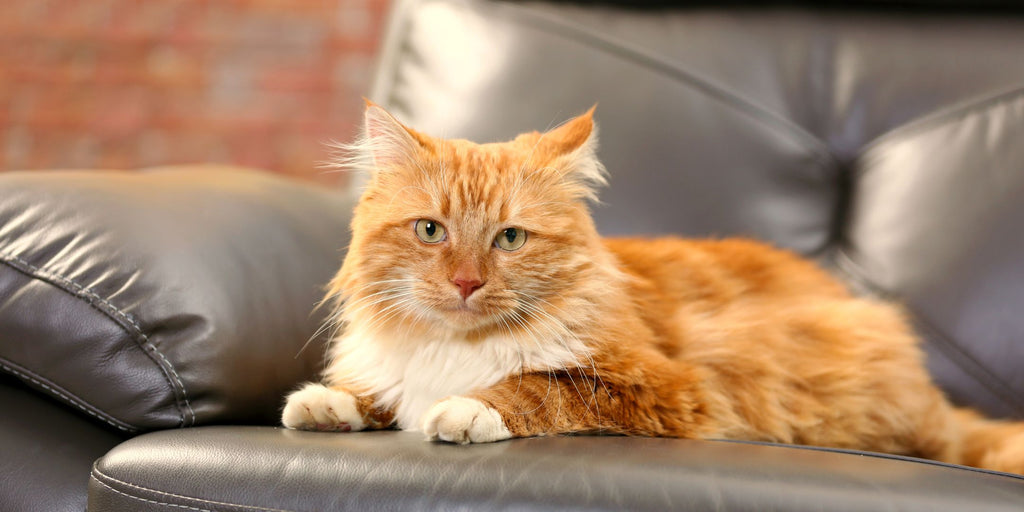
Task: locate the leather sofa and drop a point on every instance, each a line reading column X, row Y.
column 151, row 323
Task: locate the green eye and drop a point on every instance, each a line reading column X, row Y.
column 430, row 231
column 510, row 239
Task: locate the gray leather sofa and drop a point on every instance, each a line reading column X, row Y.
column 150, row 324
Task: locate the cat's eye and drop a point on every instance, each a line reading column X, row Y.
column 429, row 231
column 510, row 239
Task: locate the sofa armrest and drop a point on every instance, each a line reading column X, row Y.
column 167, row 298
column 262, row 468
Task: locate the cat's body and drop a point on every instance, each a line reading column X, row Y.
column 478, row 303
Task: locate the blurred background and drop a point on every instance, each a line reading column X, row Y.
column 121, row 84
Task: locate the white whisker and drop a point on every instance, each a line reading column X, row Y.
column 333, row 321
column 560, row 332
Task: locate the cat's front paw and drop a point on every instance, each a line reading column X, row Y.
column 317, row 407
column 462, row 420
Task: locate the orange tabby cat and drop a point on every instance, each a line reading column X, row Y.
column 477, row 302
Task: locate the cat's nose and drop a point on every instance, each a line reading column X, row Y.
column 467, row 286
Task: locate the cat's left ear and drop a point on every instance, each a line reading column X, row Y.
column 574, row 142
column 388, row 142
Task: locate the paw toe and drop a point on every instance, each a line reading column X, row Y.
column 464, row 420
column 317, row 407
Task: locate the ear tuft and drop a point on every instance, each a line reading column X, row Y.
column 576, row 142
column 385, row 143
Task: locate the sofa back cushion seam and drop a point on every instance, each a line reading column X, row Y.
column 121, row 318
column 68, row 397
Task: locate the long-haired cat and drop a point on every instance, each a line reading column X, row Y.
column 477, row 302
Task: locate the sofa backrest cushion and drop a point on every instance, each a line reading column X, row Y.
column 809, row 127
column 166, row 298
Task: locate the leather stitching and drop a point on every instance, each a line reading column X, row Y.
column 68, row 397
column 126, row 321
column 160, row 503
column 97, row 475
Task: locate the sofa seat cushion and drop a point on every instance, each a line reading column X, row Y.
column 167, row 298
column 263, row 468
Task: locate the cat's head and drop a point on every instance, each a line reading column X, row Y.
column 471, row 237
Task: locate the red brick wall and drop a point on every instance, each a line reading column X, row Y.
column 131, row 83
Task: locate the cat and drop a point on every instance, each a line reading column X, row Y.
column 478, row 303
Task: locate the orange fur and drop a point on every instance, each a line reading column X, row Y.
column 670, row 337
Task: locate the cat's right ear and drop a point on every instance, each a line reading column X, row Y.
column 386, row 142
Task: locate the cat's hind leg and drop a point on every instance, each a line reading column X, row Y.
column 332, row 409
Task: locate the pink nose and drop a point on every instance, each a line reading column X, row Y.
column 467, row 286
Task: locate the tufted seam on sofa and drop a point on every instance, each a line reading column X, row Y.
column 940, row 118
column 65, row 395
column 98, row 476
column 588, row 37
column 970, row 366
column 121, row 318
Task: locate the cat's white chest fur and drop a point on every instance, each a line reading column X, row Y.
column 410, row 375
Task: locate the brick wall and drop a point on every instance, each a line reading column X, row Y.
column 131, row 83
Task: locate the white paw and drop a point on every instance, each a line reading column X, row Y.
column 462, row 420
column 316, row 407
